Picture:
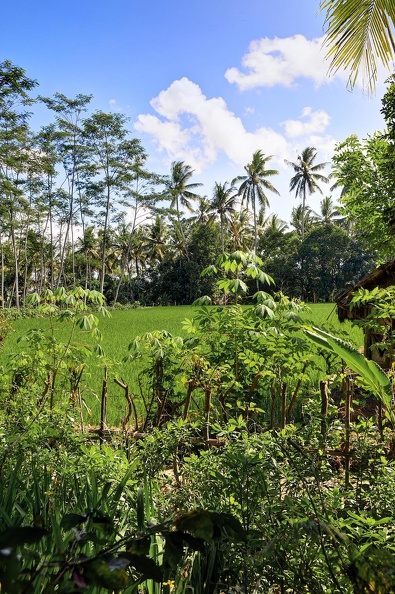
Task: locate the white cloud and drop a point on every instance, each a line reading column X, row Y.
column 277, row 61
column 168, row 136
column 208, row 136
column 207, row 129
column 309, row 122
column 116, row 106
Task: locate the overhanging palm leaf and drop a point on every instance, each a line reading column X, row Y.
column 358, row 33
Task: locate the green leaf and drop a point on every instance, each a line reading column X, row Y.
column 205, row 300
column 84, row 323
column 358, row 34
column 139, row 546
column 70, row 521
column 146, row 566
column 264, row 311
column 98, row 350
column 174, row 548
column 108, row 573
column 198, row 523
column 209, row 270
column 229, row 526
column 33, row 299
column 13, row 537
column 238, row 257
column 237, row 286
column 371, row 373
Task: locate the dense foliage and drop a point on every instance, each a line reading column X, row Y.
column 255, row 452
column 79, row 208
column 242, row 472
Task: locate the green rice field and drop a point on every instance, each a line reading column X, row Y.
column 121, row 329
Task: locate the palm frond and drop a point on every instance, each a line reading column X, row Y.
column 359, row 32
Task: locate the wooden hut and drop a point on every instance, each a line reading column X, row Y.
column 382, row 277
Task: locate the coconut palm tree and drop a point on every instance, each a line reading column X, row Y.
column 157, row 237
column 203, row 212
column 180, row 192
column 241, row 231
column 328, row 212
column 223, row 204
column 298, row 216
column 273, row 224
column 306, row 178
column 254, row 185
column 358, row 34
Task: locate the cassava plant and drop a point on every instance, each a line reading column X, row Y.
column 46, row 374
column 260, row 361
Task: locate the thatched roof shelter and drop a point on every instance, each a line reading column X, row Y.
column 383, row 276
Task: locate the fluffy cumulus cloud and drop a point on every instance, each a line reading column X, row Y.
column 309, row 122
column 195, row 128
column 191, row 127
column 277, row 61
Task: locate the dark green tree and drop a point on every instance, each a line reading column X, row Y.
column 328, row 260
column 365, row 170
column 72, row 153
column 328, row 212
column 298, row 217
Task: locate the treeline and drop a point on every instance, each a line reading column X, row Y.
column 78, row 206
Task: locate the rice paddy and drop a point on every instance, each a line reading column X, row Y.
column 117, row 334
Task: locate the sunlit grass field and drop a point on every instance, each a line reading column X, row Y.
column 121, row 329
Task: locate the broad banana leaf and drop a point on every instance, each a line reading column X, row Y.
column 374, row 377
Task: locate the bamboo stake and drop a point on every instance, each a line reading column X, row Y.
column 103, row 411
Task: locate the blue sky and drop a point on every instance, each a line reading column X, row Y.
column 207, row 82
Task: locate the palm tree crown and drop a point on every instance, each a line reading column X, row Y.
column 298, row 216
column 254, row 185
column 306, row 178
column 180, row 191
column 223, row 204
column 328, row 212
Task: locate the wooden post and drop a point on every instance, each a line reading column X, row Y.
column 103, row 412
column 131, row 405
column 348, row 399
column 324, row 407
column 283, row 405
column 207, row 404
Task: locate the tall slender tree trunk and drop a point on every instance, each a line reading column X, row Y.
column 2, row 274
column 16, row 265
column 184, row 243
column 105, row 231
column 222, row 235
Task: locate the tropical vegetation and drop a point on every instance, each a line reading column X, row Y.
column 253, row 450
column 358, row 35
column 80, row 208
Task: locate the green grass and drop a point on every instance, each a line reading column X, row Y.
column 120, row 330
column 324, row 315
